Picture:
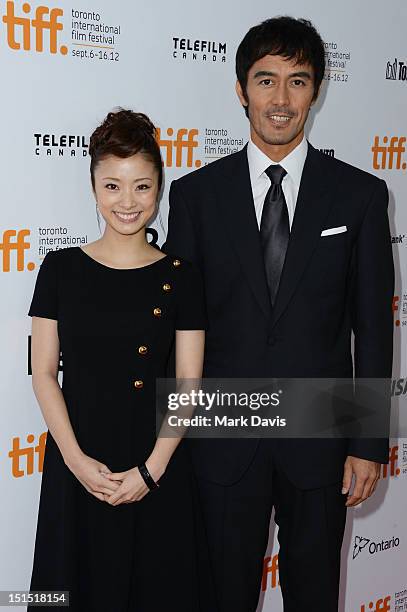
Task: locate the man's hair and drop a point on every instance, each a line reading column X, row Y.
column 291, row 38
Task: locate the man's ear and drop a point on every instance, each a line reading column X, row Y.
column 316, row 96
column 240, row 94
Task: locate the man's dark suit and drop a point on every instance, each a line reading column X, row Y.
column 330, row 285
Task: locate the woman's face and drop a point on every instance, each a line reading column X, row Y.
column 126, row 192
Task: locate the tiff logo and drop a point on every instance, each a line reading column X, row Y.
column 19, row 246
column 28, row 453
column 383, row 155
column 270, row 568
column 381, row 605
column 45, row 19
column 184, row 140
column 391, row 469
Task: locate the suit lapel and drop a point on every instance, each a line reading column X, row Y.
column 237, row 209
column 312, row 207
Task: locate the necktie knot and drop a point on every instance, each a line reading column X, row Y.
column 275, row 173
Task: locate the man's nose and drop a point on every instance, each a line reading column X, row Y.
column 280, row 95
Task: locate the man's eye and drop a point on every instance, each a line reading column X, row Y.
column 298, row 82
column 266, row 82
column 111, row 186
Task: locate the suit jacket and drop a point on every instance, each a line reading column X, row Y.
column 329, row 286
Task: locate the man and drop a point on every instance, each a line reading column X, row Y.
column 295, row 252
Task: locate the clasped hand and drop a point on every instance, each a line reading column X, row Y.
column 115, row 488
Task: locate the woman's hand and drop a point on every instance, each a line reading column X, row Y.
column 92, row 474
column 132, row 487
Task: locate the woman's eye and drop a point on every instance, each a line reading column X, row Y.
column 142, row 187
column 111, row 186
column 265, row 82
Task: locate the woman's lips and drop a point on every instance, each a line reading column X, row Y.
column 127, row 217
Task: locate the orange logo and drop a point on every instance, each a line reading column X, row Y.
column 395, row 307
column 383, row 155
column 185, row 139
column 270, row 567
column 17, row 452
column 20, row 29
column 381, row 605
column 400, row 309
column 393, row 458
column 19, row 245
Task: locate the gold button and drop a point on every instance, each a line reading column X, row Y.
column 176, row 263
column 142, row 349
column 157, row 312
column 166, row 286
column 138, row 384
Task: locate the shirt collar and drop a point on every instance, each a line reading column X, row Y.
column 293, row 163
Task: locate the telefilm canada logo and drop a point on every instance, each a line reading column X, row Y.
column 60, row 145
column 396, row 71
column 360, row 544
column 200, row 50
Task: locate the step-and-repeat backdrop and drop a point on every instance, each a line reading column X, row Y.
column 64, row 65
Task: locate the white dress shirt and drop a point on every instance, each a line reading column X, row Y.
column 293, row 164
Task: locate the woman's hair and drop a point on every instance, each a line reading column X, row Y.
column 291, row 38
column 124, row 133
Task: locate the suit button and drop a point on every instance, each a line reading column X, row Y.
column 138, row 384
column 176, row 263
column 271, row 340
column 166, row 287
column 157, row 312
column 142, row 349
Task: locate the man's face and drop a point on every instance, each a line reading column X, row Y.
column 279, row 94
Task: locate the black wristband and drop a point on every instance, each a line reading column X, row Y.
column 146, row 476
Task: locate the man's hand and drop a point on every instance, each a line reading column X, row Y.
column 367, row 473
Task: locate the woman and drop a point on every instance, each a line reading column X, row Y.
column 116, row 526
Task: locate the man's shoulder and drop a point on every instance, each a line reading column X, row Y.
column 348, row 172
column 214, row 171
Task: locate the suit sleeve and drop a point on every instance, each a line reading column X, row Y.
column 181, row 236
column 372, row 311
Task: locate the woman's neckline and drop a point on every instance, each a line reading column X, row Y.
column 120, row 269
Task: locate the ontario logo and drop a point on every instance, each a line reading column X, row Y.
column 26, row 30
column 360, row 543
column 396, row 71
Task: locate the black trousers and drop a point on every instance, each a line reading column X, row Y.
column 311, row 527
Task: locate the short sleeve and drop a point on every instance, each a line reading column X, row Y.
column 45, row 299
column 191, row 308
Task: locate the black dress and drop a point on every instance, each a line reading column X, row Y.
column 116, row 327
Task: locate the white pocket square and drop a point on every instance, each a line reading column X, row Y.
column 334, row 230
